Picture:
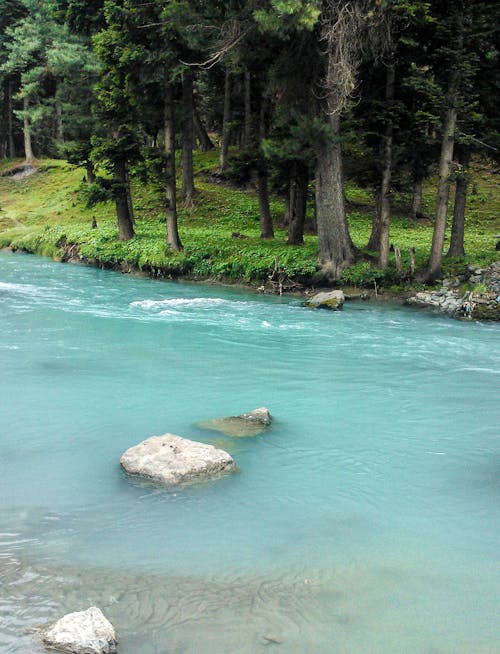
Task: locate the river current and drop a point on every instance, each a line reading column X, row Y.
column 364, row 521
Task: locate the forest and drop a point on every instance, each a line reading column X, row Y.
column 290, row 97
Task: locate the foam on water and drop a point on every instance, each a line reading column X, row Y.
column 196, row 302
column 24, row 289
column 365, row 520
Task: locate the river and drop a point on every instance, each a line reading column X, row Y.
column 364, row 521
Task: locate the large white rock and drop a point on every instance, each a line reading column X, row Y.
column 332, row 300
column 82, row 632
column 170, row 460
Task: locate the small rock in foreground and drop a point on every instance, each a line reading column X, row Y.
column 252, row 423
column 82, row 632
column 171, row 460
column 332, row 300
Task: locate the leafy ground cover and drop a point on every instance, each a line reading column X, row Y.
column 46, row 211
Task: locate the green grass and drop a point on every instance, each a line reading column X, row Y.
column 46, row 210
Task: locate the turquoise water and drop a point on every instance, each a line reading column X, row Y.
column 366, row 520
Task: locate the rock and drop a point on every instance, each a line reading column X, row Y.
column 252, row 423
column 471, row 305
column 424, row 299
column 171, row 460
column 261, row 415
column 19, row 172
column 82, row 632
column 355, row 294
column 446, row 302
column 332, row 300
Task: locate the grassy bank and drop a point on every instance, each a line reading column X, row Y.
column 46, row 213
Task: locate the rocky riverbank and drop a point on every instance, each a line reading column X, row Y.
column 474, row 296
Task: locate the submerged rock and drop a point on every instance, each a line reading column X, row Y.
column 332, row 300
column 82, row 632
column 171, row 460
column 252, row 423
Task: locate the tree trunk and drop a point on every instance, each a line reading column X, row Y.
column 125, row 226
column 458, row 225
column 90, row 172
column 187, row 138
column 335, row 247
column 247, row 131
column 434, row 264
column 28, row 151
column 129, row 197
column 397, row 258
column 379, row 239
column 4, row 147
column 416, row 200
column 297, row 203
column 412, row 262
column 201, row 133
column 173, row 239
column 10, row 129
column 225, row 123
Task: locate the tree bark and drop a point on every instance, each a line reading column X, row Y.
column 416, row 200
column 456, row 248
column 201, row 133
column 433, row 271
column 247, row 129
column 4, row 147
column 335, row 247
column 129, row 197
column 224, row 147
column 28, row 151
column 173, row 239
column 10, row 129
column 187, row 138
column 379, row 239
column 90, row 172
column 434, row 264
column 125, row 226
column 297, row 203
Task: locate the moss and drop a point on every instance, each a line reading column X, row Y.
column 490, row 311
column 330, row 304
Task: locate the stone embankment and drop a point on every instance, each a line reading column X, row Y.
column 479, row 300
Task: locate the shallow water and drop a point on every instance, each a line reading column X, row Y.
column 364, row 521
